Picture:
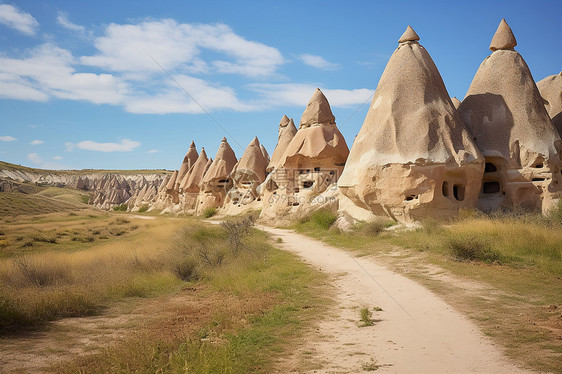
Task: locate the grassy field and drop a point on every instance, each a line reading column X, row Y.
column 194, row 297
column 9, row 166
column 503, row 271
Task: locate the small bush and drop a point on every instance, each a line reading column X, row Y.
column 143, row 208
column 375, row 227
column 37, row 273
column 470, row 247
column 120, row 208
column 209, row 212
column 85, row 199
column 366, row 317
column 321, row 218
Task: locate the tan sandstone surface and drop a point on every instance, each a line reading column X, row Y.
column 413, row 156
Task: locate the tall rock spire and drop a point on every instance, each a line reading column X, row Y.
column 413, row 156
column 503, row 38
column 317, row 112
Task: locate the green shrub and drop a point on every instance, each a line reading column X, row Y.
column 85, row 199
column 471, row 247
column 322, row 218
column 209, row 212
column 187, row 269
column 143, row 208
column 120, row 208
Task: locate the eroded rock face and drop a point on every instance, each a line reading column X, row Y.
column 188, row 161
column 310, row 165
column 217, row 181
column 413, row 157
column 550, row 89
column 287, row 131
column 505, row 113
column 247, row 175
column 190, row 185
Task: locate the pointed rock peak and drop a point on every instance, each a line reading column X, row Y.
column 255, row 142
column 503, row 38
column 409, row 35
column 203, row 154
column 192, row 144
column 317, row 111
column 291, row 122
column 456, row 102
column 284, row 121
column 223, row 140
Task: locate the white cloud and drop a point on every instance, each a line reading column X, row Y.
column 62, row 19
column 48, row 72
column 39, row 162
column 318, row 62
column 37, row 142
column 175, row 100
column 7, row 138
column 57, row 158
column 299, row 94
column 143, row 47
column 153, row 151
column 16, row 19
column 126, row 145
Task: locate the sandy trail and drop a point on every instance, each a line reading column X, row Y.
column 416, row 332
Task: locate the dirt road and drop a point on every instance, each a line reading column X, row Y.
column 416, row 332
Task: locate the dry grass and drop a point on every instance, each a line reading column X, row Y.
column 507, row 279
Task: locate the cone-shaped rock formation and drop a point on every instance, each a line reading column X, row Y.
column 217, row 181
column 188, row 161
column 505, row 113
column 551, row 90
column 311, row 163
column 287, row 131
column 503, row 38
column 413, row 157
column 247, row 175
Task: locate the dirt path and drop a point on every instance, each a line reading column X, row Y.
column 416, row 332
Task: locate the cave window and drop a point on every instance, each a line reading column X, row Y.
column 458, row 191
column 223, row 181
column 538, row 166
column 491, row 187
column 307, row 184
column 445, row 189
column 297, row 190
column 490, row 168
column 316, row 169
column 332, row 172
column 411, row 197
column 538, row 179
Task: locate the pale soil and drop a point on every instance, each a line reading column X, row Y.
column 416, row 332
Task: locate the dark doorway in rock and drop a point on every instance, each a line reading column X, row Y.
column 458, row 191
column 445, row 189
column 491, row 187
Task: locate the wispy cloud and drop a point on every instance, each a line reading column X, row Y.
column 126, row 145
column 132, row 48
column 18, row 20
column 7, row 139
column 37, row 142
column 298, row 94
column 57, row 158
column 38, row 161
column 153, row 151
column 62, row 19
column 318, row 62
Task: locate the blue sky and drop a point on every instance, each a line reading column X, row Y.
column 106, row 84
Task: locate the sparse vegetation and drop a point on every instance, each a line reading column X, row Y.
column 366, row 317
column 209, row 212
column 321, row 218
column 120, row 208
column 515, row 256
column 143, row 208
column 370, row 365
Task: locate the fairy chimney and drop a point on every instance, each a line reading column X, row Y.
column 310, row 165
column 550, row 89
column 413, row 157
column 247, row 175
column 287, row 131
column 504, row 111
column 188, row 161
column 217, row 181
